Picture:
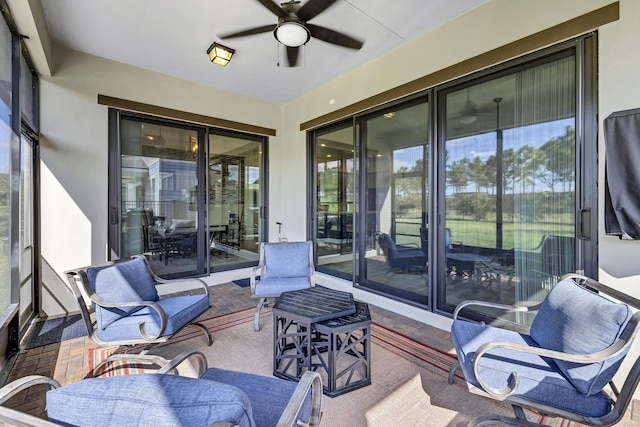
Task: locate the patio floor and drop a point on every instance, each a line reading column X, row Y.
column 66, row 360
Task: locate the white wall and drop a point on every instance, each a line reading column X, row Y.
column 619, row 89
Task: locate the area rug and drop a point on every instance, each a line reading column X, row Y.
column 409, row 379
column 55, row 330
column 243, row 283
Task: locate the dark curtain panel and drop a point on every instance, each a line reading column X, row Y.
column 622, row 174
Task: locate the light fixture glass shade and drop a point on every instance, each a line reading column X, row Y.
column 292, row 34
column 219, row 54
column 469, row 113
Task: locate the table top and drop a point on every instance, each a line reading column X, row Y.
column 315, row 304
column 467, row 256
column 361, row 316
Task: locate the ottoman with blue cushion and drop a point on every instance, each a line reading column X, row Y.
column 240, row 398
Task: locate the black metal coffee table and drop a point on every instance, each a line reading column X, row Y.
column 342, row 351
column 313, row 328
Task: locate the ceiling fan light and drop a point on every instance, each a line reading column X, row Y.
column 469, row 113
column 219, row 54
column 292, row 34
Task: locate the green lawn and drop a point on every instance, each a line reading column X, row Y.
column 483, row 234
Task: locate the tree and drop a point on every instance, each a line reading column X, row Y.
column 558, row 155
column 457, row 174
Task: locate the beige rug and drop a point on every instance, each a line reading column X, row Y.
column 409, row 379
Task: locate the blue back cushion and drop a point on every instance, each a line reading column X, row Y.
column 126, row 281
column 575, row 320
column 150, row 400
column 284, row 260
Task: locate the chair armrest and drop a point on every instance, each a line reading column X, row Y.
column 172, row 366
column 521, row 309
column 310, row 382
column 11, row 417
column 15, row 387
column 143, row 332
column 255, row 271
column 620, row 345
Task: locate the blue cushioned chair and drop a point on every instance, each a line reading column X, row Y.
column 283, row 266
column 401, row 257
column 128, row 309
column 575, row 345
column 217, row 397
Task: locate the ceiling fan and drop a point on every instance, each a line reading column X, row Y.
column 293, row 29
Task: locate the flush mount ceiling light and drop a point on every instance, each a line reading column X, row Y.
column 292, row 34
column 220, row 54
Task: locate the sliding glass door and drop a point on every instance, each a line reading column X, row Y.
column 334, row 207
column 395, row 152
column 483, row 194
column 158, row 213
column 235, row 199
column 188, row 197
column 510, row 184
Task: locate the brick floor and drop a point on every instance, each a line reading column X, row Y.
column 66, row 361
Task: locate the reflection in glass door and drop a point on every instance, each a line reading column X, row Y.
column 335, row 203
column 511, row 185
column 236, row 218
column 159, row 196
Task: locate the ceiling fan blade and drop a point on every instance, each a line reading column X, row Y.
column 334, row 37
column 313, row 8
column 292, row 55
column 250, row 31
column 273, row 7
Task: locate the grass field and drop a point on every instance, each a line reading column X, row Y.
column 483, row 233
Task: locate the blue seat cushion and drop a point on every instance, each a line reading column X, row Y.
column 285, row 260
column 574, row 320
column 150, row 400
column 179, row 310
column 268, row 395
column 274, row 286
column 540, row 379
column 125, row 281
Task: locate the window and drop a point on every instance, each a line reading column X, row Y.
column 7, row 134
column 18, row 201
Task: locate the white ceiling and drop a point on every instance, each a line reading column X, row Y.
column 172, row 37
